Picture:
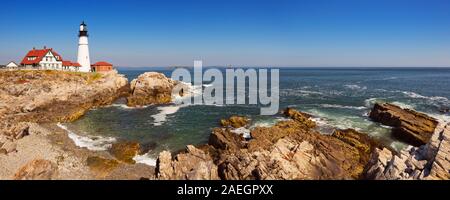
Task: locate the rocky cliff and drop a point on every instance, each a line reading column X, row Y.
column 29, row 99
column 55, row 96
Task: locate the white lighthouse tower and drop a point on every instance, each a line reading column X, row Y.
column 83, row 49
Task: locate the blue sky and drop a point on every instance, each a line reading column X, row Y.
column 235, row 32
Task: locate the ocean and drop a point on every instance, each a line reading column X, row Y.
column 336, row 97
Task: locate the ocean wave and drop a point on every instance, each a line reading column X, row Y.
column 145, row 159
column 404, row 105
column 389, row 78
column 355, row 87
column 93, row 143
column 370, row 102
column 125, row 107
column 299, row 92
column 440, row 118
column 418, row 96
column 343, row 107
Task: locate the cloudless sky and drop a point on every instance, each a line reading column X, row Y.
column 234, row 32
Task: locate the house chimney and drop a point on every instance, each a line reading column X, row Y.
column 34, row 48
column 45, row 47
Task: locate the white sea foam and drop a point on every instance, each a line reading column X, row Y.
column 390, row 78
column 242, row 131
column 93, row 143
column 161, row 116
column 145, row 159
column 370, row 102
column 355, row 87
column 418, row 96
column 403, row 105
column 342, row 106
column 125, row 107
column 164, row 111
column 299, row 92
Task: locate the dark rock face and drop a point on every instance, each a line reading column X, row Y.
column 410, row 126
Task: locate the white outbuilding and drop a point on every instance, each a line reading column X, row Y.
column 12, row 65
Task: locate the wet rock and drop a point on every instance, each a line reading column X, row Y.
column 148, row 147
column 37, row 169
column 125, row 151
column 235, row 122
column 410, row 126
column 151, row 88
column 101, row 166
column 194, row 164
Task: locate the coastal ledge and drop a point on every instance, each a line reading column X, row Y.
column 56, row 96
column 291, row 149
column 32, row 102
column 294, row 150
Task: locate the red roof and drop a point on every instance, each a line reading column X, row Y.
column 66, row 63
column 70, row 64
column 102, row 63
column 76, row 64
column 39, row 54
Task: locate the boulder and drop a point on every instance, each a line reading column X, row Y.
column 125, row 151
column 151, row 88
column 235, row 122
column 37, row 169
column 408, row 125
column 194, row 164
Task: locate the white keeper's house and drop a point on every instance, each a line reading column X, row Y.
column 47, row 58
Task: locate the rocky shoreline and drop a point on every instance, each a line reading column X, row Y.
column 33, row 147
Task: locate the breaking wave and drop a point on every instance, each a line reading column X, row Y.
column 343, row 107
column 164, row 111
column 145, row 159
column 93, row 143
column 418, row 96
column 355, row 87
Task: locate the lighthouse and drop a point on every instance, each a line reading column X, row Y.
column 83, row 49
